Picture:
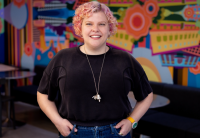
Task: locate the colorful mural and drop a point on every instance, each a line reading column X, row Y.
column 160, row 34
column 163, row 35
column 2, row 57
column 1, row 14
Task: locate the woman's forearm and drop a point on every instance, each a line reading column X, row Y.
column 141, row 107
column 48, row 107
column 138, row 111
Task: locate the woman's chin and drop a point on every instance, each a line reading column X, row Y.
column 94, row 45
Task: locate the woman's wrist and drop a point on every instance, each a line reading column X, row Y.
column 57, row 120
column 130, row 119
column 133, row 122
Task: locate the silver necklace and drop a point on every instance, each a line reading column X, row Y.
column 97, row 96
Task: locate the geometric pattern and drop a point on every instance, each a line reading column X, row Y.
column 36, row 34
column 193, row 51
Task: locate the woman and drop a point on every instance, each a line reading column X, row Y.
column 94, row 81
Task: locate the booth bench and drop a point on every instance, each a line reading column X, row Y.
column 179, row 119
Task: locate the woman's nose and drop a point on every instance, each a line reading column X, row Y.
column 95, row 28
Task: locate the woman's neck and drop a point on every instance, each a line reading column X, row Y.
column 91, row 51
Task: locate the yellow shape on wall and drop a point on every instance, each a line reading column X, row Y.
column 171, row 70
column 122, row 40
column 150, row 69
column 150, row 74
column 185, row 77
column 173, row 40
column 43, row 47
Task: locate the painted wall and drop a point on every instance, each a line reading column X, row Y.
column 2, row 47
column 163, row 35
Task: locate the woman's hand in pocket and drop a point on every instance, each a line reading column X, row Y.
column 125, row 126
column 64, row 127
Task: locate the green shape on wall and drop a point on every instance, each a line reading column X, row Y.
column 176, row 37
column 198, row 2
column 71, row 38
column 170, row 37
column 165, row 38
column 158, row 38
column 197, row 23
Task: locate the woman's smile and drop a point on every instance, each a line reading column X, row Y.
column 95, row 37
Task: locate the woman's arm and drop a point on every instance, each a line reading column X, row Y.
column 139, row 110
column 49, row 108
column 141, row 107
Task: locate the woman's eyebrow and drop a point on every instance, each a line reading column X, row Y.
column 98, row 22
column 103, row 22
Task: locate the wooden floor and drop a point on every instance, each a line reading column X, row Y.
column 36, row 123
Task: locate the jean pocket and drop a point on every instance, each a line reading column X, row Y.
column 71, row 132
column 116, row 132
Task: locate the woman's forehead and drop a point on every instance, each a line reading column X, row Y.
column 96, row 17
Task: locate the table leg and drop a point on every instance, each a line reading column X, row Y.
column 8, row 122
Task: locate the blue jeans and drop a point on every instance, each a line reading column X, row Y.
column 107, row 131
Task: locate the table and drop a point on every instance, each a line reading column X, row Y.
column 4, row 67
column 158, row 100
column 6, row 77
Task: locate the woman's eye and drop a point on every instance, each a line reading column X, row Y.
column 88, row 24
column 102, row 24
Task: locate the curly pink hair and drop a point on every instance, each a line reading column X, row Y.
column 86, row 10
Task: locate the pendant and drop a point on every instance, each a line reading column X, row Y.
column 97, row 97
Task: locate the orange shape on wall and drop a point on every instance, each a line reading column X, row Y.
column 19, row 3
column 38, row 57
column 50, row 54
column 37, row 45
column 39, row 23
column 189, row 12
column 28, row 49
column 196, row 70
column 39, row 4
column 151, row 8
column 136, row 22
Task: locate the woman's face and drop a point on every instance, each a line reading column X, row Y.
column 95, row 30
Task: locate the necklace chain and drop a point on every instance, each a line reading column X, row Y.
column 97, row 90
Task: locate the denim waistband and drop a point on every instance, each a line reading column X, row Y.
column 96, row 127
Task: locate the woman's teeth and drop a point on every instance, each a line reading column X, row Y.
column 96, row 36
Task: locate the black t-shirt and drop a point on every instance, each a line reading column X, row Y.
column 70, row 74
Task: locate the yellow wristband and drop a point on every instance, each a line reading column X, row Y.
column 130, row 119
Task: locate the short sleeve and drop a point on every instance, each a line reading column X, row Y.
column 140, row 83
column 141, row 88
column 49, row 83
